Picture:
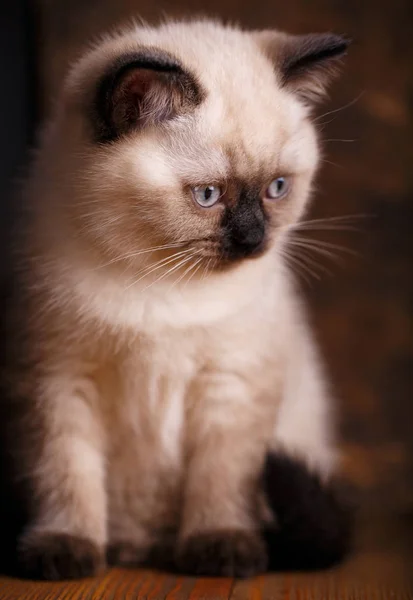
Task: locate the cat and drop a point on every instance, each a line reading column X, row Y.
column 162, row 393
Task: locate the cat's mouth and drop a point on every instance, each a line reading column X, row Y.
column 224, row 251
column 235, row 251
column 188, row 259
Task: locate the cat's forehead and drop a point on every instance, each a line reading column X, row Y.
column 210, row 147
column 236, row 136
column 256, row 126
column 203, row 42
column 247, row 121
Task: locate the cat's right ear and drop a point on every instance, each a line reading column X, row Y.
column 142, row 89
column 305, row 64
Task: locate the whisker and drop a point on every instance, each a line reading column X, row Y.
column 199, row 262
column 165, row 260
column 139, row 253
column 333, row 164
column 326, row 227
column 168, row 272
column 205, row 272
column 338, row 218
column 182, row 274
column 162, row 263
column 320, row 251
column 304, row 255
column 331, row 112
column 186, row 251
column 321, row 244
column 173, row 268
column 295, row 260
column 344, row 223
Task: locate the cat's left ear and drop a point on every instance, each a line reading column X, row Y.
column 139, row 89
column 305, row 63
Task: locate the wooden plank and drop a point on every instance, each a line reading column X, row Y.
column 212, row 589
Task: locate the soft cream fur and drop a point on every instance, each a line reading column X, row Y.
column 155, row 402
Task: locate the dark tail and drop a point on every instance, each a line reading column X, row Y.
column 313, row 527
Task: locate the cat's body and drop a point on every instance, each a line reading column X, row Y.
column 149, row 400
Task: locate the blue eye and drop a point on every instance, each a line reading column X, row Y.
column 206, row 195
column 278, row 188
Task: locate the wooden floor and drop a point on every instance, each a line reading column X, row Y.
column 380, row 568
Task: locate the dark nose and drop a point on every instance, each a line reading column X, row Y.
column 244, row 228
column 250, row 236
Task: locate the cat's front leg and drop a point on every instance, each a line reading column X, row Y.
column 220, row 533
column 62, row 463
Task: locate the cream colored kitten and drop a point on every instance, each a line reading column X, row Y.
column 164, row 385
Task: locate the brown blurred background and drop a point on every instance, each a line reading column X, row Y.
column 363, row 310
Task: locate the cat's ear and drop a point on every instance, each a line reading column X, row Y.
column 141, row 89
column 305, row 63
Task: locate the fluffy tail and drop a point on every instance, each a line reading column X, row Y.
column 313, row 527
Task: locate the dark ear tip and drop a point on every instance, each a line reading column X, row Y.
column 341, row 43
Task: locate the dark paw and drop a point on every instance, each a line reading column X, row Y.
column 223, row 553
column 126, row 554
column 57, row 556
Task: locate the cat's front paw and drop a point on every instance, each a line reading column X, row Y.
column 223, row 553
column 58, row 556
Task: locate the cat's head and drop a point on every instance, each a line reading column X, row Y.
column 195, row 138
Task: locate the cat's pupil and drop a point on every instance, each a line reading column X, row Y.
column 206, row 195
column 278, row 188
column 208, row 192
